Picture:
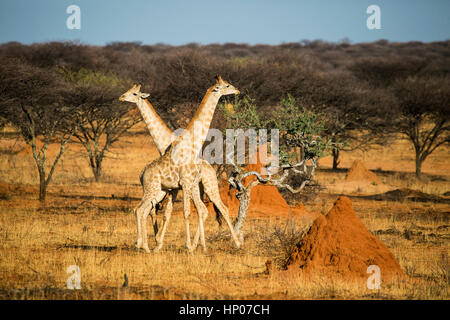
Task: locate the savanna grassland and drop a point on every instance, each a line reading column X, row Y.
column 92, row 225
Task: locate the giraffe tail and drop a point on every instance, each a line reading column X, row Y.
column 218, row 215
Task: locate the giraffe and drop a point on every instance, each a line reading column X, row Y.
column 187, row 172
column 163, row 138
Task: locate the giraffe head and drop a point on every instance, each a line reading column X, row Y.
column 223, row 88
column 134, row 94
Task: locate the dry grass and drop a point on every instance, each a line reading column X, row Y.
column 81, row 223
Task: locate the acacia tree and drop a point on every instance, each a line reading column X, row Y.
column 421, row 100
column 101, row 118
column 31, row 100
column 359, row 125
column 298, row 127
column 355, row 114
column 423, row 114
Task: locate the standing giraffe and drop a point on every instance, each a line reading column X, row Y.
column 163, row 137
column 190, row 173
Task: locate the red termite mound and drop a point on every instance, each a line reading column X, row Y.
column 265, row 200
column 338, row 245
column 358, row 172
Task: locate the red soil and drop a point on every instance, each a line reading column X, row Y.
column 358, row 172
column 338, row 245
column 7, row 189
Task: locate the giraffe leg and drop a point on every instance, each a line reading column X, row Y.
column 141, row 209
column 150, row 209
column 198, row 231
column 137, row 212
column 155, row 225
column 167, row 215
column 211, row 187
column 187, row 212
column 168, row 205
column 202, row 215
column 215, row 198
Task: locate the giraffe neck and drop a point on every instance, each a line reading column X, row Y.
column 161, row 134
column 198, row 127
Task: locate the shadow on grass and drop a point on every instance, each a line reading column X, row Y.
column 90, row 247
column 390, row 173
column 85, row 197
column 154, row 292
column 405, row 194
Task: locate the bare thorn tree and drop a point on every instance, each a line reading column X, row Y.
column 299, row 128
column 421, row 99
column 424, row 114
column 101, row 118
column 31, row 100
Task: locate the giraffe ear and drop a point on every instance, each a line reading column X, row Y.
column 145, row 95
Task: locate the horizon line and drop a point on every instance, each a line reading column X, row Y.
column 303, row 42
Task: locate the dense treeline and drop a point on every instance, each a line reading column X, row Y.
column 367, row 90
column 178, row 75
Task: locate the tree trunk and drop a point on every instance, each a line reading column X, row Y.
column 336, row 161
column 96, row 166
column 244, row 203
column 97, row 170
column 96, row 174
column 42, row 184
column 419, row 162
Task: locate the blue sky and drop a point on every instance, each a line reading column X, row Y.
column 178, row 22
